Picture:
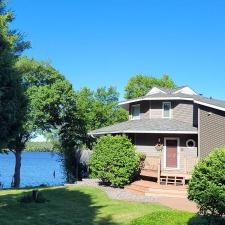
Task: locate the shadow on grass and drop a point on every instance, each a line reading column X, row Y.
column 204, row 220
column 65, row 207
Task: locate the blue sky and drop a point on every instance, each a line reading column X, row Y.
column 104, row 42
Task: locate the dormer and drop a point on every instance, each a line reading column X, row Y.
column 185, row 90
column 155, row 90
column 179, row 90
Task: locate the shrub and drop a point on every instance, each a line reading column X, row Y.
column 114, row 160
column 207, row 185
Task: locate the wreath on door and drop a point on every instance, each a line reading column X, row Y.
column 159, row 147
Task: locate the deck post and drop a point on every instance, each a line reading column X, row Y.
column 159, row 172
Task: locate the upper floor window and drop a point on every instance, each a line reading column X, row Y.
column 166, row 107
column 135, row 112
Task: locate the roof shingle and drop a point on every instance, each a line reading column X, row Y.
column 148, row 126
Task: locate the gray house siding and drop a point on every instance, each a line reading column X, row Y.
column 145, row 143
column 211, row 130
column 181, row 110
column 156, row 109
column 144, row 109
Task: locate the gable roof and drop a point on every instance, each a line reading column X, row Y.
column 182, row 89
column 167, row 126
column 176, row 94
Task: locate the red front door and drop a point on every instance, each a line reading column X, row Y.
column 171, row 153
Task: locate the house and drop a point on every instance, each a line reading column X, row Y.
column 174, row 128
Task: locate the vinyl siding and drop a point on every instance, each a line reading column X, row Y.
column 145, row 143
column 156, row 109
column 183, row 111
column 144, row 109
column 211, row 130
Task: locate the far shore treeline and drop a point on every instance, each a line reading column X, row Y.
column 40, row 147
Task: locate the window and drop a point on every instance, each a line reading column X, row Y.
column 135, row 112
column 166, row 109
column 190, row 143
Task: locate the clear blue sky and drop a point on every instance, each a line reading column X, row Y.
column 104, row 42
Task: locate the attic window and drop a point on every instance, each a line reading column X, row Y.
column 166, row 106
column 135, row 112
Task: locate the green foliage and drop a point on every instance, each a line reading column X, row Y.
column 71, row 137
column 40, row 147
column 170, row 218
column 48, row 92
column 99, row 108
column 139, row 85
column 207, row 185
column 114, row 160
column 11, row 91
column 49, row 98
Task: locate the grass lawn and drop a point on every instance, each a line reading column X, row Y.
column 173, row 218
column 78, row 205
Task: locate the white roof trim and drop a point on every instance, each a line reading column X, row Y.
column 209, row 105
column 174, row 98
column 159, row 98
column 145, row 132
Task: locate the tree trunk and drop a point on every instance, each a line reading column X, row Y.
column 16, row 177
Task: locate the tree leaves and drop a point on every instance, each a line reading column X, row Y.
column 12, row 98
column 99, row 108
column 140, row 84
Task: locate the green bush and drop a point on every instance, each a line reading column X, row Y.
column 207, row 185
column 114, row 160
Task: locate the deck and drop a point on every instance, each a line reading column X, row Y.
column 150, row 188
column 170, row 195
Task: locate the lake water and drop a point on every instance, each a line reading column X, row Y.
column 36, row 168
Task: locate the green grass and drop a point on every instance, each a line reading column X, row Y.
column 170, row 218
column 81, row 205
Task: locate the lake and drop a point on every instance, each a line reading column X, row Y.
column 36, row 168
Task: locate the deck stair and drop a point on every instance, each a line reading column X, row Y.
column 149, row 188
column 174, row 180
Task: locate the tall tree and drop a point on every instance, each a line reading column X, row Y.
column 72, row 135
column 99, row 108
column 11, row 92
column 140, row 84
column 49, row 95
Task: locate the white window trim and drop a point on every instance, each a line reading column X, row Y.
column 193, row 142
column 170, row 114
column 178, row 153
column 136, row 117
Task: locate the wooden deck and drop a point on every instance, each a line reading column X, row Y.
column 152, row 168
column 149, row 188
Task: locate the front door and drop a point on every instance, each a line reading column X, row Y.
column 171, row 153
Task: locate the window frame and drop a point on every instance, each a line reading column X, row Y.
column 170, row 111
column 194, row 143
column 135, row 117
